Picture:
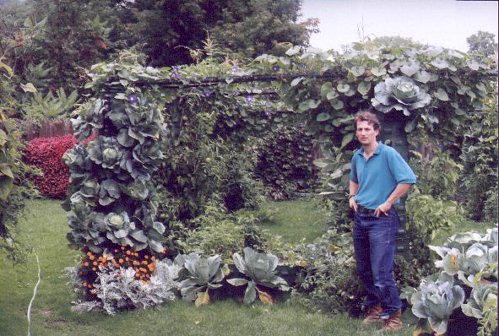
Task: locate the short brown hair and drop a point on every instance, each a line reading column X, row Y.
column 368, row 116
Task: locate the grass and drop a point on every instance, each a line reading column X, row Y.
column 296, row 221
column 45, row 228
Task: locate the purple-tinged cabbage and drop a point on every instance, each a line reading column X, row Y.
column 435, row 301
column 401, row 94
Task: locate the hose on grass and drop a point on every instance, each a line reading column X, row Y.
column 34, row 295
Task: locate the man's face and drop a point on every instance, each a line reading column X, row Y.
column 365, row 133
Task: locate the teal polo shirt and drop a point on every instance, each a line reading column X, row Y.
column 378, row 176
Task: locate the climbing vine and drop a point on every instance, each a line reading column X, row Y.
column 162, row 134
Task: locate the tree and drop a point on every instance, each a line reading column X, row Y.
column 168, row 29
column 482, row 43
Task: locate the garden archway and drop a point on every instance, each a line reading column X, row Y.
column 426, row 91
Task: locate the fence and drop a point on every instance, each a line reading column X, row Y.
column 46, row 128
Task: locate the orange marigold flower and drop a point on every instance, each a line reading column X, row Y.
column 146, row 257
column 120, row 261
column 86, row 264
column 153, row 258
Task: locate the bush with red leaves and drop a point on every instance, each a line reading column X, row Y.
column 46, row 154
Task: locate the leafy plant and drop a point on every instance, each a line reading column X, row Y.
column 479, row 156
column 46, row 154
column 430, row 215
column 260, row 269
column 329, row 279
column 199, row 274
column 436, row 300
column 49, row 106
column 437, row 176
column 468, row 274
column 119, row 289
column 400, row 93
column 284, row 162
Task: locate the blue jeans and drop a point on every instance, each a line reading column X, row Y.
column 374, row 245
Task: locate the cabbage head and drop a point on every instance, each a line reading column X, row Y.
column 435, row 301
column 400, row 93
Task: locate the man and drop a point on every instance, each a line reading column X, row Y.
column 378, row 178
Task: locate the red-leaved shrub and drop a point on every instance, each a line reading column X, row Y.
column 46, row 154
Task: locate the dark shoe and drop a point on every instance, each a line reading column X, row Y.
column 392, row 323
column 372, row 315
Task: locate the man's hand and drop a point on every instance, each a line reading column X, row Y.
column 383, row 208
column 352, row 204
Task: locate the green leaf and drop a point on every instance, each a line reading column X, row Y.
column 336, row 104
column 422, row 77
column 296, row 81
column 378, row 71
column 156, row 246
column 237, row 281
column 250, row 293
column 440, row 63
column 139, row 235
column 364, row 87
column 346, row 140
column 441, row 94
column 6, row 184
column 325, row 89
column 343, row 87
column 410, row 69
column 358, row 70
column 323, row 116
column 29, row 87
column 308, row 104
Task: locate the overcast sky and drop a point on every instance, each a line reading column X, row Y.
column 445, row 23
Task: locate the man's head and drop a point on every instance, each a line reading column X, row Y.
column 367, row 116
column 366, row 128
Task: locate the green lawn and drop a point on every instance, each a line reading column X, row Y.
column 45, row 229
column 295, row 221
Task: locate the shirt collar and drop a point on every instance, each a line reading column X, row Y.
column 360, row 151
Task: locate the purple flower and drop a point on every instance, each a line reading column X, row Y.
column 206, row 93
column 266, row 113
column 248, row 98
column 235, row 69
column 132, row 99
column 275, row 67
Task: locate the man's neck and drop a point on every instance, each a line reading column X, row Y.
column 369, row 149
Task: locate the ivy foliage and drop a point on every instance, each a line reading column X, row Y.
column 285, row 162
column 14, row 185
column 432, row 89
column 480, row 161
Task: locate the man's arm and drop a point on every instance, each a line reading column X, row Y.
column 352, row 190
column 400, row 190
